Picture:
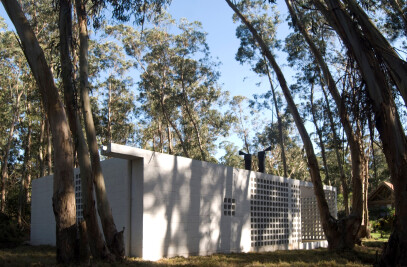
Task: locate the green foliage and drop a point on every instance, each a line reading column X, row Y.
column 231, row 157
column 114, row 102
column 179, row 95
column 123, row 10
column 296, row 162
column 10, row 234
column 382, row 220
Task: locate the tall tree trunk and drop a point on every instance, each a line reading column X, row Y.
column 279, row 122
column 26, row 173
column 4, row 164
column 109, row 118
column 191, row 117
column 364, row 231
column 170, row 122
column 354, row 139
column 64, row 194
column 41, row 152
column 338, row 156
column 387, row 123
column 320, row 136
column 49, row 150
column 372, row 136
column 96, row 243
column 160, row 136
column 169, row 135
column 114, row 239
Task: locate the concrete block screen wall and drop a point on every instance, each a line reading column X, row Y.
column 171, row 205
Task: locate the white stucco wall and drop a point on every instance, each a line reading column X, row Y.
column 178, row 207
column 116, row 172
column 42, row 215
column 171, row 205
column 182, row 205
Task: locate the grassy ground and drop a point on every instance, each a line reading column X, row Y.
column 364, row 255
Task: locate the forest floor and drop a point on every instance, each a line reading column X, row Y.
column 365, row 255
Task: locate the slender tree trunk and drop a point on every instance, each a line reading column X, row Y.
column 244, row 130
column 94, row 236
column 354, row 140
column 169, row 140
column 191, row 117
column 170, row 122
column 64, row 194
column 4, row 164
column 160, row 136
column 387, row 123
column 109, row 122
column 41, row 149
column 338, row 156
column 372, row 136
column 114, row 239
column 49, row 150
column 279, row 122
column 364, row 231
column 26, row 177
column 319, row 133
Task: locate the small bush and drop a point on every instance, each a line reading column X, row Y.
column 383, row 225
column 10, row 234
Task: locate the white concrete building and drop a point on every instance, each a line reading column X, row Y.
column 170, row 205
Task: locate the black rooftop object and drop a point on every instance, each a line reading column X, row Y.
column 261, row 155
column 247, row 160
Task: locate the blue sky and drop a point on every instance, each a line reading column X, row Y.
column 216, row 18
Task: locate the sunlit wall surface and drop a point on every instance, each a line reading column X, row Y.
column 171, row 205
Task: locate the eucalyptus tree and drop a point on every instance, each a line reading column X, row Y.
column 382, row 70
column 26, row 129
column 26, row 172
column 111, row 81
column 244, row 122
column 63, row 196
column 354, row 136
column 96, row 243
column 122, row 10
column 332, row 227
column 13, row 89
column 179, row 90
column 231, row 156
column 316, row 118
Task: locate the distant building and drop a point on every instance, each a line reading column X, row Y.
column 171, row 205
column 381, row 199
